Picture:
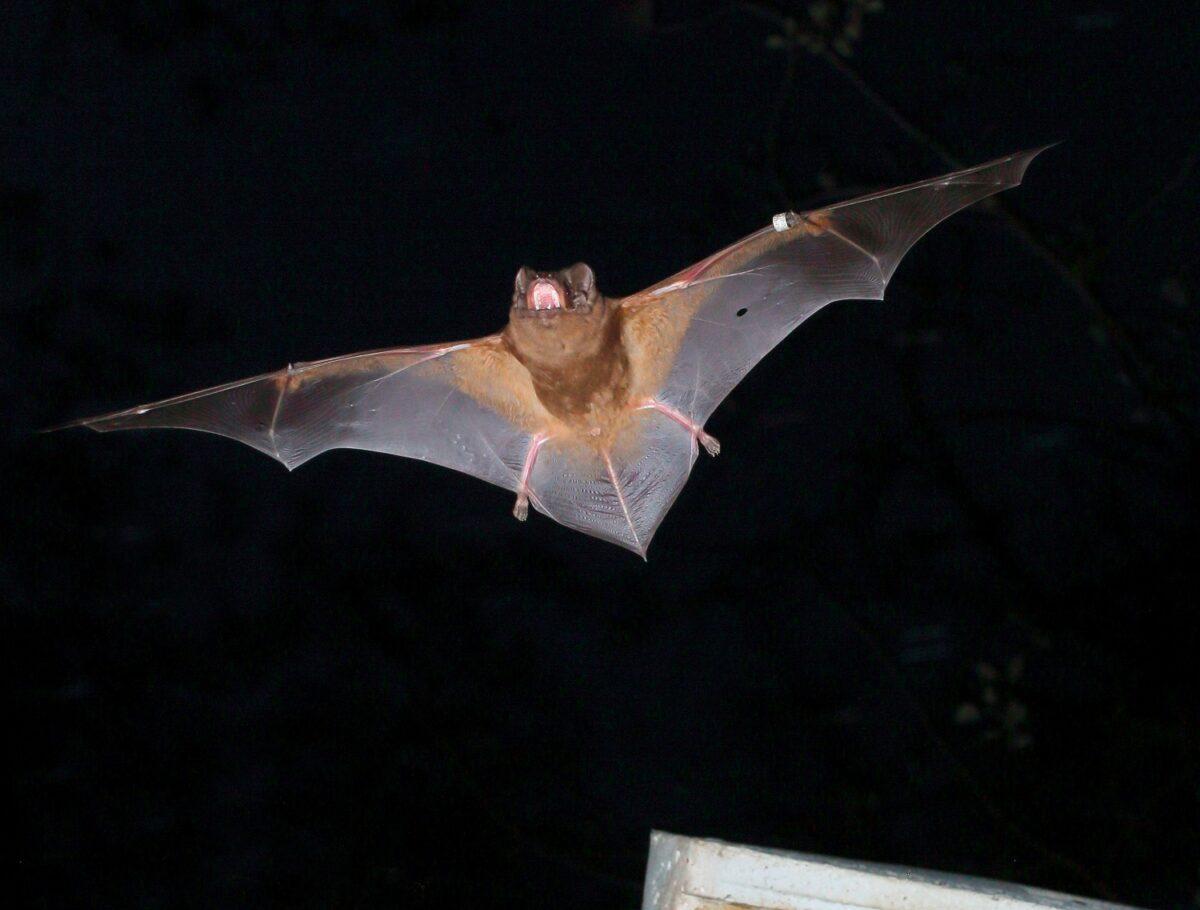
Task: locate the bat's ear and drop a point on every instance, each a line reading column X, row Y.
column 524, row 275
column 580, row 278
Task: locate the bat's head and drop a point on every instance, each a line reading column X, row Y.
column 550, row 295
column 558, row 316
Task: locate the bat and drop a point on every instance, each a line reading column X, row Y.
column 590, row 408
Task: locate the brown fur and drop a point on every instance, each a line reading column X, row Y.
column 580, row 375
column 576, row 362
column 587, row 372
column 487, row 372
column 575, row 359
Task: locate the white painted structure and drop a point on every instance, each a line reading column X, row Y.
column 686, row 873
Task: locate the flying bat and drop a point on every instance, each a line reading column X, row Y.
column 589, row 408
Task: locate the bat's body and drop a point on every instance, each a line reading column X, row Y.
column 591, row 408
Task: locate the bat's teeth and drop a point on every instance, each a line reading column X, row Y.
column 543, row 295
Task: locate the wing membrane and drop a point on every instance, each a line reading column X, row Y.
column 620, row 495
column 472, row 407
column 413, row 402
column 728, row 311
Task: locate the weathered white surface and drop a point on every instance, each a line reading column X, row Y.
column 687, row 873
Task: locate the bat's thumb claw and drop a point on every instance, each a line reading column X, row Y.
column 711, row 446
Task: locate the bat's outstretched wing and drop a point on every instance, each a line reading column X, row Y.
column 716, row 320
column 695, row 335
column 467, row 406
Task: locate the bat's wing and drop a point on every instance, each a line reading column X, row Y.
column 714, row 321
column 620, row 494
column 467, row 406
column 694, row 336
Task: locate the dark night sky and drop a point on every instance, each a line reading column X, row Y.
column 934, row 604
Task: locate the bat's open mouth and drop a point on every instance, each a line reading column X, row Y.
column 544, row 295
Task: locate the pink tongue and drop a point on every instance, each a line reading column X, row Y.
column 545, row 297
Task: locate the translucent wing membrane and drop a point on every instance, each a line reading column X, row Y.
column 473, row 407
column 729, row 310
column 621, row 495
column 404, row 401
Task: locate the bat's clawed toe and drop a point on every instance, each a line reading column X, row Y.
column 711, row 446
column 521, row 509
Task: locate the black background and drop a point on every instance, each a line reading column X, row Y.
column 934, row 604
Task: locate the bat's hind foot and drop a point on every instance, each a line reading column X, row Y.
column 711, row 446
column 710, row 443
column 521, row 509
